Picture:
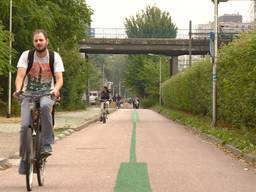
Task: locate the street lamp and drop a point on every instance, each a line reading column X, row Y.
column 10, row 63
column 214, row 66
column 160, row 77
column 160, row 80
column 103, row 78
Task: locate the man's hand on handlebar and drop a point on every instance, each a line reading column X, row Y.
column 55, row 92
column 16, row 94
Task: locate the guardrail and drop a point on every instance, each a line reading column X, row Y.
column 120, row 33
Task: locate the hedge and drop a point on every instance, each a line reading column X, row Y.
column 191, row 90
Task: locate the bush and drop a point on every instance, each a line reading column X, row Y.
column 191, row 90
column 148, row 102
column 237, row 82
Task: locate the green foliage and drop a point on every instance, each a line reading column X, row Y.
column 236, row 86
column 64, row 21
column 4, row 51
column 151, row 22
column 149, row 101
column 132, row 76
column 95, row 77
column 114, row 68
column 190, row 90
column 142, row 72
column 237, row 82
column 75, row 81
column 70, row 22
column 142, row 75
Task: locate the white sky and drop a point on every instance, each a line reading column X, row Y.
column 112, row 13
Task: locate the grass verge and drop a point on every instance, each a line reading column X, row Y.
column 245, row 141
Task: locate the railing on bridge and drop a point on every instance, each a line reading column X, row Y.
column 120, row 33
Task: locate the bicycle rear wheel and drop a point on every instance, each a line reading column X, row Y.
column 29, row 159
column 40, row 162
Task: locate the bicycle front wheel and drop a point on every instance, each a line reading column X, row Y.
column 29, row 159
column 40, row 162
column 104, row 117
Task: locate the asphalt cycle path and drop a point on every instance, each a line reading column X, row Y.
column 137, row 150
column 180, row 161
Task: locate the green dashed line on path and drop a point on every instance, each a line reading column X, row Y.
column 133, row 142
column 133, row 176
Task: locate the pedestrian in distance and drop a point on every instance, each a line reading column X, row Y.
column 39, row 71
column 118, row 101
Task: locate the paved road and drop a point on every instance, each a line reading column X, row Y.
column 145, row 147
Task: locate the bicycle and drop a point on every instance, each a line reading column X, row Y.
column 34, row 161
column 103, row 116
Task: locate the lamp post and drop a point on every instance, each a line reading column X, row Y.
column 10, row 63
column 214, row 66
column 103, row 78
column 160, row 80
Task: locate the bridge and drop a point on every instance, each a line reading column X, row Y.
column 168, row 47
column 106, row 44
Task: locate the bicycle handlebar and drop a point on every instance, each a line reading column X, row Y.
column 35, row 96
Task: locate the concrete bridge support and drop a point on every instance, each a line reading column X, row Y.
column 173, row 65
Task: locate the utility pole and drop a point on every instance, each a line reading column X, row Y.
column 10, row 63
column 254, row 11
column 214, row 66
column 119, row 88
column 190, row 43
column 88, row 78
column 160, row 80
column 103, row 78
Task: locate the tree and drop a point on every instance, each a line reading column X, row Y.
column 114, row 70
column 142, row 72
column 66, row 23
column 75, row 80
column 4, row 51
column 151, row 23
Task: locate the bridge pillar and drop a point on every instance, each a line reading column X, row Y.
column 173, row 65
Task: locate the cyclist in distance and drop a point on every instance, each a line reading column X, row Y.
column 40, row 77
column 104, row 95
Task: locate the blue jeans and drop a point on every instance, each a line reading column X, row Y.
column 46, row 105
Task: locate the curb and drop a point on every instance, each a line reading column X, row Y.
column 238, row 153
column 5, row 162
column 78, row 128
column 235, row 151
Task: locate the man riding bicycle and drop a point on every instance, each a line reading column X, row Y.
column 104, row 97
column 38, row 78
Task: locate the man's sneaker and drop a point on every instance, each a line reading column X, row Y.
column 46, row 150
column 22, row 167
